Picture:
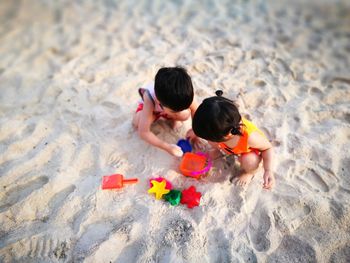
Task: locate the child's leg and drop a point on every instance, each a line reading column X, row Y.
column 136, row 117
column 249, row 164
column 135, row 120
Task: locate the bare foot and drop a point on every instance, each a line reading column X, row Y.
column 244, row 179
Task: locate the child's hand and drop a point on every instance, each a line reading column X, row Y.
column 190, row 135
column 269, row 180
column 196, row 141
column 175, row 150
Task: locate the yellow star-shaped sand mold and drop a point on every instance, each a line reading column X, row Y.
column 158, row 188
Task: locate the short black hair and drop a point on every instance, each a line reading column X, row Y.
column 173, row 88
column 215, row 118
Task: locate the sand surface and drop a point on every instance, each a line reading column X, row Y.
column 69, row 73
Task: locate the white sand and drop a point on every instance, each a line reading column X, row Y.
column 69, row 72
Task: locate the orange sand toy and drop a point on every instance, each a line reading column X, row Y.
column 195, row 164
column 116, row 181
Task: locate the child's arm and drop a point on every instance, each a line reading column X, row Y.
column 144, row 129
column 190, row 134
column 260, row 142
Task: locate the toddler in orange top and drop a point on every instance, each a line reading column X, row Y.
column 218, row 121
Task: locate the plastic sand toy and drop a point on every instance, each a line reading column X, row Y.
column 173, row 197
column 195, row 164
column 116, row 181
column 158, row 188
column 185, row 145
column 191, row 197
column 168, row 184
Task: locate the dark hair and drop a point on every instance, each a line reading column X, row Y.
column 215, row 118
column 173, row 88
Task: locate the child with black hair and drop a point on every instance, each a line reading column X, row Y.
column 169, row 97
column 218, row 121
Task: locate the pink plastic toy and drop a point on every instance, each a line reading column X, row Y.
column 168, row 185
column 116, row 181
column 191, row 197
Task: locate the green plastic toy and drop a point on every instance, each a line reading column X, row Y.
column 173, row 197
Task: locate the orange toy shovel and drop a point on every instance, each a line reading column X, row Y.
column 116, row 181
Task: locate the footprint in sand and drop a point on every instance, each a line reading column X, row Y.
column 222, row 249
column 39, row 248
column 40, row 224
column 92, row 238
column 61, row 250
column 134, row 253
column 19, row 192
column 313, row 180
column 290, row 216
column 44, row 247
column 119, row 237
column 236, row 203
column 293, row 249
column 81, row 215
column 259, row 226
column 22, row 143
column 58, row 200
column 99, row 232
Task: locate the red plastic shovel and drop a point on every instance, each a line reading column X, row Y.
column 116, row 181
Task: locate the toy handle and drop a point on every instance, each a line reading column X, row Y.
column 130, row 181
column 205, row 169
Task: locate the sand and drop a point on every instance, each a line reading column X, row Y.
column 69, row 73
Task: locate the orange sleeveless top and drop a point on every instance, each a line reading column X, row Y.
column 242, row 145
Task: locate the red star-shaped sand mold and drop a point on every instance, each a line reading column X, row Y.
column 190, row 197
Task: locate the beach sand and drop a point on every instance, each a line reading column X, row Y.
column 69, row 73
